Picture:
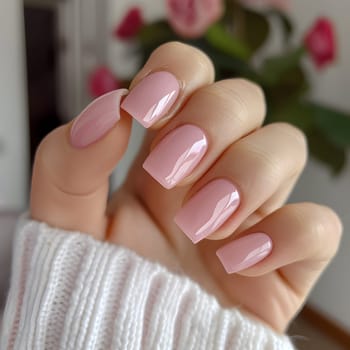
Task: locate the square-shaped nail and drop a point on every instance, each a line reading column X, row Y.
column 176, row 155
column 152, row 97
column 244, row 252
column 208, row 209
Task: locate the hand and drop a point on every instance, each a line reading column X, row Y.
column 229, row 174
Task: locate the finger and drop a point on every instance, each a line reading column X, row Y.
column 298, row 239
column 246, row 176
column 285, row 253
column 172, row 73
column 213, row 118
column 73, row 164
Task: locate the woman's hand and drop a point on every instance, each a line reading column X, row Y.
column 229, row 180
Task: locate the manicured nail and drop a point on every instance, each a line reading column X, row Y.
column 96, row 119
column 244, row 252
column 176, row 155
column 152, row 98
column 208, row 209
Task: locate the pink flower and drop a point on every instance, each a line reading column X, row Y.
column 101, row 81
column 130, row 24
column 321, row 43
column 282, row 5
column 191, row 18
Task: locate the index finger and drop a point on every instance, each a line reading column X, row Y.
column 171, row 74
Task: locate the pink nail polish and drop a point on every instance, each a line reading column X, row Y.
column 244, row 252
column 208, row 209
column 176, row 155
column 152, row 98
column 97, row 119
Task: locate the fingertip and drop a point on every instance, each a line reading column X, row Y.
column 152, row 97
column 164, row 83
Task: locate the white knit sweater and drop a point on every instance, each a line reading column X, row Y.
column 69, row 291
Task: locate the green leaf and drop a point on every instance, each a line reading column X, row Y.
column 256, row 29
column 292, row 86
column 334, row 123
column 295, row 113
column 228, row 67
column 326, row 151
column 327, row 131
column 222, row 40
column 274, row 68
column 156, row 33
column 285, row 23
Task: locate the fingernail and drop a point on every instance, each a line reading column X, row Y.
column 97, row 119
column 176, row 155
column 152, row 98
column 244, row 252
column 208, row 209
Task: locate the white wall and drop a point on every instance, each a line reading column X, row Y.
column 13, row 117
column 332, row 86
column 13, row 130
column 82, row 29
column 7, row 227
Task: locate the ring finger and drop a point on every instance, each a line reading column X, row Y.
column 249, row 173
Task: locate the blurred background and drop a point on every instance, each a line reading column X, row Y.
column 55, row 56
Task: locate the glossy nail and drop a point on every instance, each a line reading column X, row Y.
column 176, row 155
column 208, row 209
column 152, row 98
column 97, row 119
column 244, row 252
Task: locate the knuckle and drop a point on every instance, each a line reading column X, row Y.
column 47, row 146
column 173, row 45
column 180, row 51
column 295, row 133
column 241, row 99
column 253, row 91
column 170, row 47
column 251, row 86
column 296, row 139
column 268, row 165
column 323, row 229
column 247, row 96
column 332, row 224
column 167, row 46
column 277, row 152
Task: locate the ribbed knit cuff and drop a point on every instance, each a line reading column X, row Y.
column 69, row 291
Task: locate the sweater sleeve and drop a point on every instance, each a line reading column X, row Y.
column 69, row 291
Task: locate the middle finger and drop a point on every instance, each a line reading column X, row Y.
column 214, row 117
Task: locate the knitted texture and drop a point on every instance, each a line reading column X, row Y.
column 69, row 291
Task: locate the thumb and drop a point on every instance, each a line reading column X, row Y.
column 72, row 166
